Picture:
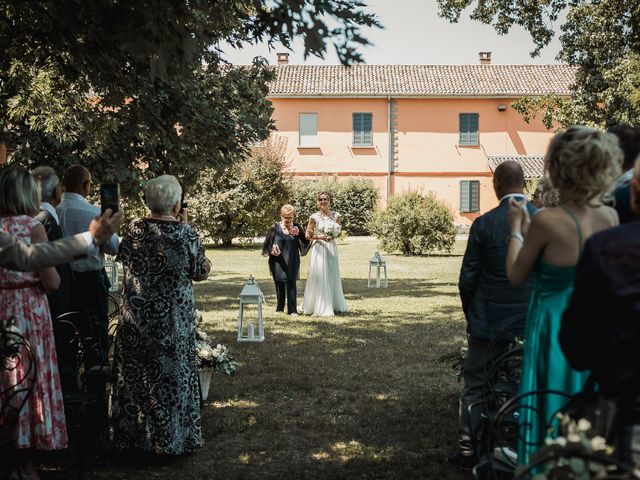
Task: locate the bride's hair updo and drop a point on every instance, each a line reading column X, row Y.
column 327, row 194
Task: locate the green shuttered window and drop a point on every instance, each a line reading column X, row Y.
column 362, row 129
column 469, row 129
column 469, row 196
column 308, row 128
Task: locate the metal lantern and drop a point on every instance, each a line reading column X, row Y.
column 378, row 262
column 111, row 268
column 250, row 295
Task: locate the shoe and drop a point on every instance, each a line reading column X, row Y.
column 294, row 314
column 458, row 459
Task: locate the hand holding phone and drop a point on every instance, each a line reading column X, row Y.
column 110, row 197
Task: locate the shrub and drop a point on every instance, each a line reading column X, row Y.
column 244, row 199
column 414, row 225
column 355, row 199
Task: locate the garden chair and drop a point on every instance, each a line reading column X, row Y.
column 559, row 463
column 505, row 430
column 85, row 412
column 18, row 373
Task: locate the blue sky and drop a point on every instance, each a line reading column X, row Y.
column 415, row 34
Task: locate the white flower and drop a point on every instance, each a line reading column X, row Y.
column 201, row 334
column 598, row 443
column 573, row 437
column 561, row 441
column 584, row 425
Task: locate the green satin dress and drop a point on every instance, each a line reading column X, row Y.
column 544, row 365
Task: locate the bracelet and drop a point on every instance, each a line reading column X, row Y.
column 516, row 235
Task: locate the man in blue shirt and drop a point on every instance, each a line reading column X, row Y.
column 92, row 284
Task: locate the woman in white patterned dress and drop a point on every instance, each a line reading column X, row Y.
column 323, row 294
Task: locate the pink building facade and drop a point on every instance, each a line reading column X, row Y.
column 430, row 128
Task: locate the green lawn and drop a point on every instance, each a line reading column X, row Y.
column 361, row 395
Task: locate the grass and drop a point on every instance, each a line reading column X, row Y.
column 361, row 395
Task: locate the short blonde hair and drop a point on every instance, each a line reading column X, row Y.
column 583, row 162
column 288, row 209
column 19, row 192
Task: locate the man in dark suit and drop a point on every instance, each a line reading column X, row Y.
column 601, row 326
column 50, row 195
column 492, row 307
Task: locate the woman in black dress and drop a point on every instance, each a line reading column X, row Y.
column 283, row 244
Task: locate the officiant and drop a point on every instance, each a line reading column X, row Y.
column 284, row 244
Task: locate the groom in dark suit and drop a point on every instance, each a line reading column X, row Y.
column 492, row 307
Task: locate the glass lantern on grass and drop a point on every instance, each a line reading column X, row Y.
column 248, row 330
column 379, row 263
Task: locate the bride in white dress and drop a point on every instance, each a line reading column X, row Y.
column 323, row 294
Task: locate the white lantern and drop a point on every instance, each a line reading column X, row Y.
column 378, row 262
column 111, row 267
column 250, row 295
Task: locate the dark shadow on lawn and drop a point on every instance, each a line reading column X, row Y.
column 218, row 293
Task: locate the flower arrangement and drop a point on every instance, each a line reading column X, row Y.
column 331, row 229
column 574, row 454
column 219, row 358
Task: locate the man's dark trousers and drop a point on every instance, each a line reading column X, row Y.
column 92, row 297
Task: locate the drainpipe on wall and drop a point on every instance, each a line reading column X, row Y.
column 390, row 134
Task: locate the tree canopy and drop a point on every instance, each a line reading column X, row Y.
column 135, row 88
column 600, row 37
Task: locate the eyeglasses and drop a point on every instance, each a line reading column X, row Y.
column 287, row 218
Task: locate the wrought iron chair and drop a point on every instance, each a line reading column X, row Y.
column 568, row 463
column 82, row 407
column 502, row 372
column 506, row 430
column 17, row 379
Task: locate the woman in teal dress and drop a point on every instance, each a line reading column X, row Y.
column 582, row 163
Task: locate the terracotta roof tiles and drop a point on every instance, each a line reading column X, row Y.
column 421, row 80
column 532, row 165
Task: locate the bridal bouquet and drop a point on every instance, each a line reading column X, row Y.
column 207, row 356
column 331, row 229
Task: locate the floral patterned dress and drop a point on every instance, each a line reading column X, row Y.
column 156, row 404
column 41, row 424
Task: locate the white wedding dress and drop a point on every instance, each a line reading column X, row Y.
column 323, row 294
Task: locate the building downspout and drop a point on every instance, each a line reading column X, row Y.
column 390, row 147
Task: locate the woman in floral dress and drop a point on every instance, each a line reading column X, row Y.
column 156, row 406
column 41, row 423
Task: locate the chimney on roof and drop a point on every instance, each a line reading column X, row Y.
column 283, row 58
column 485, row 58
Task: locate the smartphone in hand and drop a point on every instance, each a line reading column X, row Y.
column 109, row 197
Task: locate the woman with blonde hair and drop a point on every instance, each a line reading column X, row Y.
column 583, row 164
column 41, row 422
column 284, row 243
column 323, row 294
